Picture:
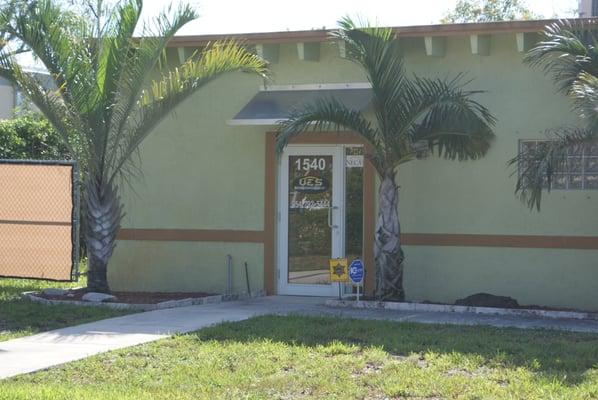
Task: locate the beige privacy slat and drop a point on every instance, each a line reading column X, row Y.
column 36, row 230
column 30, row 251
column 35, row 192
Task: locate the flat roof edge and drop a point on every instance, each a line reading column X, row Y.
column 322, row 35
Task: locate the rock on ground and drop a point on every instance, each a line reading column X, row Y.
column 488, row 300
column 54, row 292
column 97, row 297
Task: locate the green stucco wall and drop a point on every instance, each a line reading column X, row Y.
column 186, row 266
column 556, row 278
column 199, row 173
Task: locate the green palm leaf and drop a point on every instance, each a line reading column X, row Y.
column 329, row 114
column 406, row 110
column 177, row 85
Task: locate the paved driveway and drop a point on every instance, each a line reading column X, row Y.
column 47, row 349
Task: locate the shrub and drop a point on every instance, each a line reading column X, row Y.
column 30, row 136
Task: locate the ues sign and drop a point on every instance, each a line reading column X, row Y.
column 310, row 184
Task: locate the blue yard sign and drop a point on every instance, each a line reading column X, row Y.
column 356, row 271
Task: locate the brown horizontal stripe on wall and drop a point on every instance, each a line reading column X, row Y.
column 42, row 223
column 411, row 239
column 523, row 241
column 191, row 235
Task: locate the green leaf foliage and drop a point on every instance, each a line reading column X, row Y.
column 488, row 11
column 31, row 137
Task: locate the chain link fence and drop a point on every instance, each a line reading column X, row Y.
column 39, row 219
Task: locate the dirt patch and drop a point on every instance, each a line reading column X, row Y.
column 129, row 297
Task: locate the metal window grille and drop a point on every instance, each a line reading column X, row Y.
column 39, row 219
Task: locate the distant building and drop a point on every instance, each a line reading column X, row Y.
column 7, row 99
column 12, row 99
column 588, row 8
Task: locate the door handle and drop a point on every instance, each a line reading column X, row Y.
column 330, row 209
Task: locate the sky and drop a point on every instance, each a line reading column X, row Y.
column 244, row 16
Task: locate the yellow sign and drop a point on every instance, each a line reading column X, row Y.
column 339, row 270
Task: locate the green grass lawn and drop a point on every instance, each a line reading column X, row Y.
column 309, row 357
column 20, row 317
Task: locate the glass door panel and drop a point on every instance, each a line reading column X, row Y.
column 311, row 221
column 310, row 208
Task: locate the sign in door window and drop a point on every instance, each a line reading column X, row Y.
column 310, row 200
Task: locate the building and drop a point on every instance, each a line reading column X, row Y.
column 8, row 99
column 588, row 8
column 11, row 98
column 214, row 186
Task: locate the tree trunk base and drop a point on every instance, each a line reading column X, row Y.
column 387, row 246
column 103, row 216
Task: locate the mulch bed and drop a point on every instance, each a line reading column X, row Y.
column 130, row 297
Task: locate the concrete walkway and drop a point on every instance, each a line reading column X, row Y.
column 47, row 349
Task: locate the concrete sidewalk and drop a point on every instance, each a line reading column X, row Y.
column 52, row 348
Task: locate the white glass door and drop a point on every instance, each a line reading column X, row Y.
column 311, row 218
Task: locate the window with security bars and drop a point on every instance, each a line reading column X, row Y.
column 580, row 171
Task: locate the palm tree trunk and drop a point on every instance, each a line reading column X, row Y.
column 387, row 245
column 103, row 216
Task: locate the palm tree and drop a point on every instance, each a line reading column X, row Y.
column 568, row 52
column 408, row 112
column 112, row 91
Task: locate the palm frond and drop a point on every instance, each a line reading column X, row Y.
column 349, row 27
column 449, row 119
column 440, row 112
column 167, row 93
column 61, row 44
column 115, row 49
column 379, row 54
column 135, row 72
column 584, row 93
column 536, row 168
column 328, row 113
column 568, row 49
